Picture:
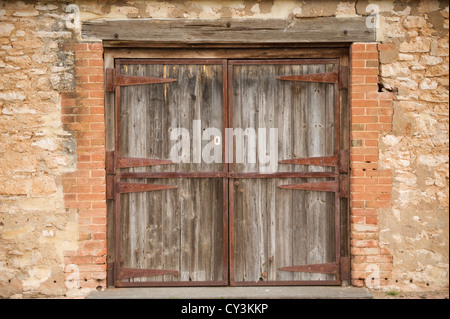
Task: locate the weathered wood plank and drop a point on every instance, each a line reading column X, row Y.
column 318, row 30
column 331, row 77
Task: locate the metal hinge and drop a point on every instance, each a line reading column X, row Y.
column 110, row 175
column 343, row 77
column 114, row 79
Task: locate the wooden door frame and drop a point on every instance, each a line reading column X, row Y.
column 239, row 52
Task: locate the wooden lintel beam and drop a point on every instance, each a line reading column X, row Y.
column 250, row 31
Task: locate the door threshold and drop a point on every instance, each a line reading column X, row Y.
column 233, row 293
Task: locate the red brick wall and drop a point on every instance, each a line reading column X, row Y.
column 85, row 189
column 83, row 116
column 370, row 187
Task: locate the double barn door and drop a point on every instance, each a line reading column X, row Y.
column 227, row 172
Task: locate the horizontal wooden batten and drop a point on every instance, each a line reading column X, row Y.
column 174, row 175
column 331, row 186
column 127, row 273
column 126, row 162
column 317, row 161
column 331, row 77
column 331, row 268
column 125, row 80
column 283, row 175
column 227, row 175
column 235, row 52
column 136, row 187
column 306, row 30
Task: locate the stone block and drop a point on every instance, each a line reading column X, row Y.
column 6, row 29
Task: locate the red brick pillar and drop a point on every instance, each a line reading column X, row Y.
column 85, row 188
column 370, row 190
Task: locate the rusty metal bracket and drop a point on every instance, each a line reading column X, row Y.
column 110, row 175
column 343, row 186
column 113, row 79
column 344, row 158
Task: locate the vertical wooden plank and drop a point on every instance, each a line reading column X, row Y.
column 345, row 145
column 316, row 136
column 299, row 203
column 122, row 136
column 264, row 101
column 109, row 147
column 332, row 147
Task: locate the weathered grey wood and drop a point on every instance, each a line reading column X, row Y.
column 197, row 95
column 283, row 227
column 317, row 30
column 179, row 229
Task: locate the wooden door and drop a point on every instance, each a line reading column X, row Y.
column 171, row 217
column 229, row 220
column 285, row 224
